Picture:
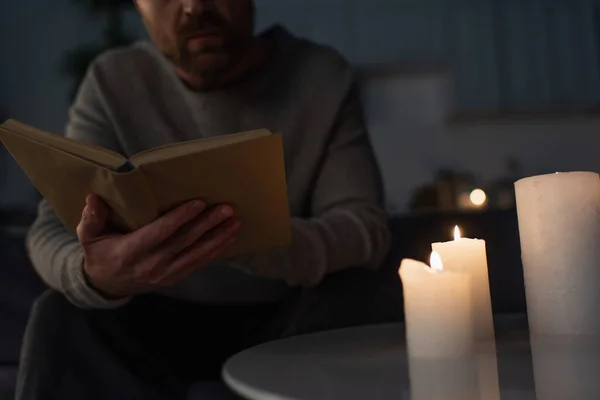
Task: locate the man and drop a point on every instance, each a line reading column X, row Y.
column 145, row 314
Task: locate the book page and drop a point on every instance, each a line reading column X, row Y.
column 95, row 154
column 195, row 146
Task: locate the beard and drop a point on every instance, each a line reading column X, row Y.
column 203, row 58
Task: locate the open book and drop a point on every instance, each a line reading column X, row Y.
column 245, row 170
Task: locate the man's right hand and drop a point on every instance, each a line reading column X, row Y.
column 157, row 255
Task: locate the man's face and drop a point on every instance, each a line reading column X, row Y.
column 202, row 37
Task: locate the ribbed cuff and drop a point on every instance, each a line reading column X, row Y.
column 79, row 292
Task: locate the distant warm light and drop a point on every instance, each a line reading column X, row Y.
column 478, row 197
column 456, row 233
column 435, row 261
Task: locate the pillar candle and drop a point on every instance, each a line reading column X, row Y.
column 437, row 310
column 559, row 228
column 469, row 256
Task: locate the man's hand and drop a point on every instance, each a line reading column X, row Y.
column 157, row 255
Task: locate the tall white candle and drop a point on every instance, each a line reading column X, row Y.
column 437, row 310
column 469, row 256
column 559, row 227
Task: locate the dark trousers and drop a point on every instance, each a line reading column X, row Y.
column 155, row 347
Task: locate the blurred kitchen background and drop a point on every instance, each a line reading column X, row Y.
column 462, row 97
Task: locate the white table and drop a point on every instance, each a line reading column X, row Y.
column 371, row 363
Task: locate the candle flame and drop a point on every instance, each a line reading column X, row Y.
column 435, row 261
column 456, row 233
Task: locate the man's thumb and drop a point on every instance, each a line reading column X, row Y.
column 93, row 219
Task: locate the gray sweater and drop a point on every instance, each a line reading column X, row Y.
column 132, row 100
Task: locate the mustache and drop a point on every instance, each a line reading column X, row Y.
column 206, row 21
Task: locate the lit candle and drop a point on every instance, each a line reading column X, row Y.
column 437, row 310
column 469, row 256
column 559, row 228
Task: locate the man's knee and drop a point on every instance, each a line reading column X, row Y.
column 52, row 312
column 51, row 324
column 51, row 303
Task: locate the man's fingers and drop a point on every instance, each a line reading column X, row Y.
column 154, row 234
column 198, row 252
column 202, row 252
column 193, row 231
column 185, row 272
column 93, row 219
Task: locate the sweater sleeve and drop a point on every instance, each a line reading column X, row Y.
column 55, row 253
column 349, row 226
